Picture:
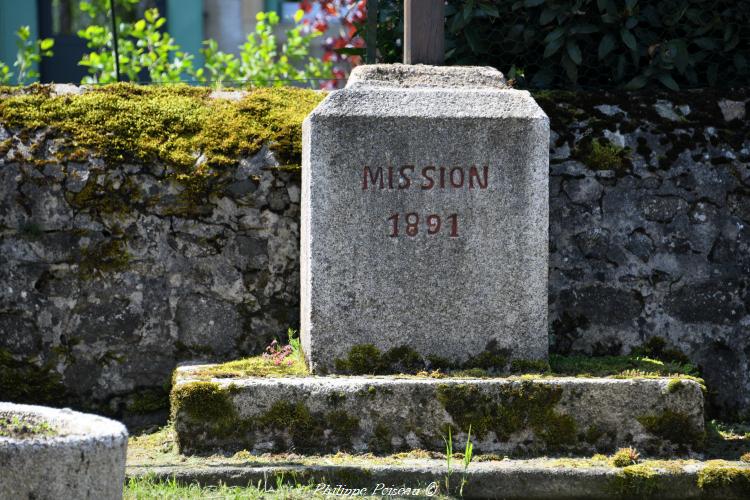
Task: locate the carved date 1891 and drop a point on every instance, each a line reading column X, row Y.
column 432, row 222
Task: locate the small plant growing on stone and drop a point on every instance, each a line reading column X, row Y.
column 449, row 459
column 745, row 458
column 286, row 354
column 468, row 455
column 626, row 457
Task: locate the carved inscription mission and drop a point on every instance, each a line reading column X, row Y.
column 425, row 178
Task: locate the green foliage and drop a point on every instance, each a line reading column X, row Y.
column 594, row 43
column 260, row 62
column 30, row 53
column 144, row 46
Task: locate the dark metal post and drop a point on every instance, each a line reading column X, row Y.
column 114, row 38
column 424, row 26
column 372, row 31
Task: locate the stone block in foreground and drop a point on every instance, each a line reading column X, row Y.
column 83, row 458
column 424, row 217
column 513, row 416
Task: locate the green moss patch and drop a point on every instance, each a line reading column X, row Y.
column 255, row 366
column 172, row 124
column 673, row 426
column 20, row 427
column 519, row 406
column 204, row 402
column 718, row 478
column 24, row 381
column 620, row 367
column 636, row 481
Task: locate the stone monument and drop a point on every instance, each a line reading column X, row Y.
column 424, row 217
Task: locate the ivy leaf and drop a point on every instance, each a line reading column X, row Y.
column 667, row 80
column 533, row 3
column 636, row 83
column 554, row 34
column 490, row 10
column 584, row 29
column 552, row 47
column 574, row 52
column 571, row 70
column 547, row 15
column 628, row 39
column 607, row 45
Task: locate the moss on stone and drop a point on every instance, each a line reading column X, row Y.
column 673, row 426
column 362, row 359
column 727, row 479
column 625, row 457
column 381, row 441
column 519, row 406
column 621, row 367
column 529, row 366
column 25, row 381
column 307, row 430
column 674, row 385
column 636, row 481
column 148, row 400
column 109, row 256
column 603, row 155
column 173, row 124
column 203, row 402
column 255, row 366
column 659, row 348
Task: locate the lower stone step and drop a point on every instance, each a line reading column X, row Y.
column 514, row 416
column 548, row 479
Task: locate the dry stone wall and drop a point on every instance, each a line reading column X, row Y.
column 112, row 274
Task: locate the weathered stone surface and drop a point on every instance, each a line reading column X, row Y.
column 247, row 256
column 511, row 416
column 381, row 165
column 531, row 479
column 84, row 459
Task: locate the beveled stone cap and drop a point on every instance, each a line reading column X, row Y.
column 424, row 76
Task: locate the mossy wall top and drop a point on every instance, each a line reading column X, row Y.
column 142, row 226
column 173, row 124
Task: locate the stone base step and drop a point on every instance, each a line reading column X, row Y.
column 541, row 478
column 514, row 416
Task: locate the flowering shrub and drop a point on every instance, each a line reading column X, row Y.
column 345, row 48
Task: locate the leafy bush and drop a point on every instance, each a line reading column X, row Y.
column 30, row 52
column 147, row 52
column 594, row 43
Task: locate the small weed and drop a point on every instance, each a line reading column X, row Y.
column 449, row 459
column 468, row 454
column 626, row 457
